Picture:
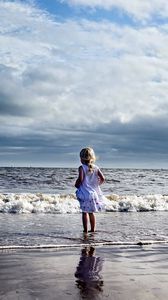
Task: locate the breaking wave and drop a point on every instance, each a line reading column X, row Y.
column 67, row 203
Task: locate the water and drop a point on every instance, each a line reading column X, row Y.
column 61, row 180
column 38, row 207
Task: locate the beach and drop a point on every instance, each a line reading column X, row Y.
column 84, row 150
column 45, row 255
column 121, row 273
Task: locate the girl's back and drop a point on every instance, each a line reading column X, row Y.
column 90, row 181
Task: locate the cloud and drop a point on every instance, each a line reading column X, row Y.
column 141, row 10
column 69, row 83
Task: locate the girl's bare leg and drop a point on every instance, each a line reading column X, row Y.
column 85, row 221
column 92, row 221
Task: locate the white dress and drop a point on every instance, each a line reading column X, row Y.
column 89, row 193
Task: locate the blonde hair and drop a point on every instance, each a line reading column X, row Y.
column 88, row 157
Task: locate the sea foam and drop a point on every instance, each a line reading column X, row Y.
column 67, row 203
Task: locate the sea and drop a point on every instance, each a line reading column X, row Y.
column 38, row 208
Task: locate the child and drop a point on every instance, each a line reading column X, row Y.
column 88, row 191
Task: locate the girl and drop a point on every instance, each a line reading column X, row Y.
column 88, row 191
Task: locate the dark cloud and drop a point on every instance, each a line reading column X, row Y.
column 143, row 141
column 12, row 96
column 139, row 136
column 9, row 107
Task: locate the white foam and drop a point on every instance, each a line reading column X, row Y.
column 98, row 244
column 61, row 204
column 136, row 203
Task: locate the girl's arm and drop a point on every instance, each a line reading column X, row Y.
column 101, row 177
column 80, row 177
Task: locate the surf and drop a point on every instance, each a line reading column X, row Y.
column 27, row 203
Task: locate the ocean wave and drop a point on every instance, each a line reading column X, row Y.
column 67, row 203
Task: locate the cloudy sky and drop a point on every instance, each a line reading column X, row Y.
column 76, row 73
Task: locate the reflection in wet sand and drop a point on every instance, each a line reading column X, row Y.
column 89, row 280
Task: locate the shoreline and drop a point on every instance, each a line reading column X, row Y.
column 79, row 245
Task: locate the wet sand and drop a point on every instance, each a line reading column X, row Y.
column 118, row 273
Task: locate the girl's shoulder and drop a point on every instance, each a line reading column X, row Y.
column 96, row 167
column 81, row 168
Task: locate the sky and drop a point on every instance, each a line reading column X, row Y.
column 78, row 73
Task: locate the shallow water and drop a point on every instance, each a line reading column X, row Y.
column 39, row 229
